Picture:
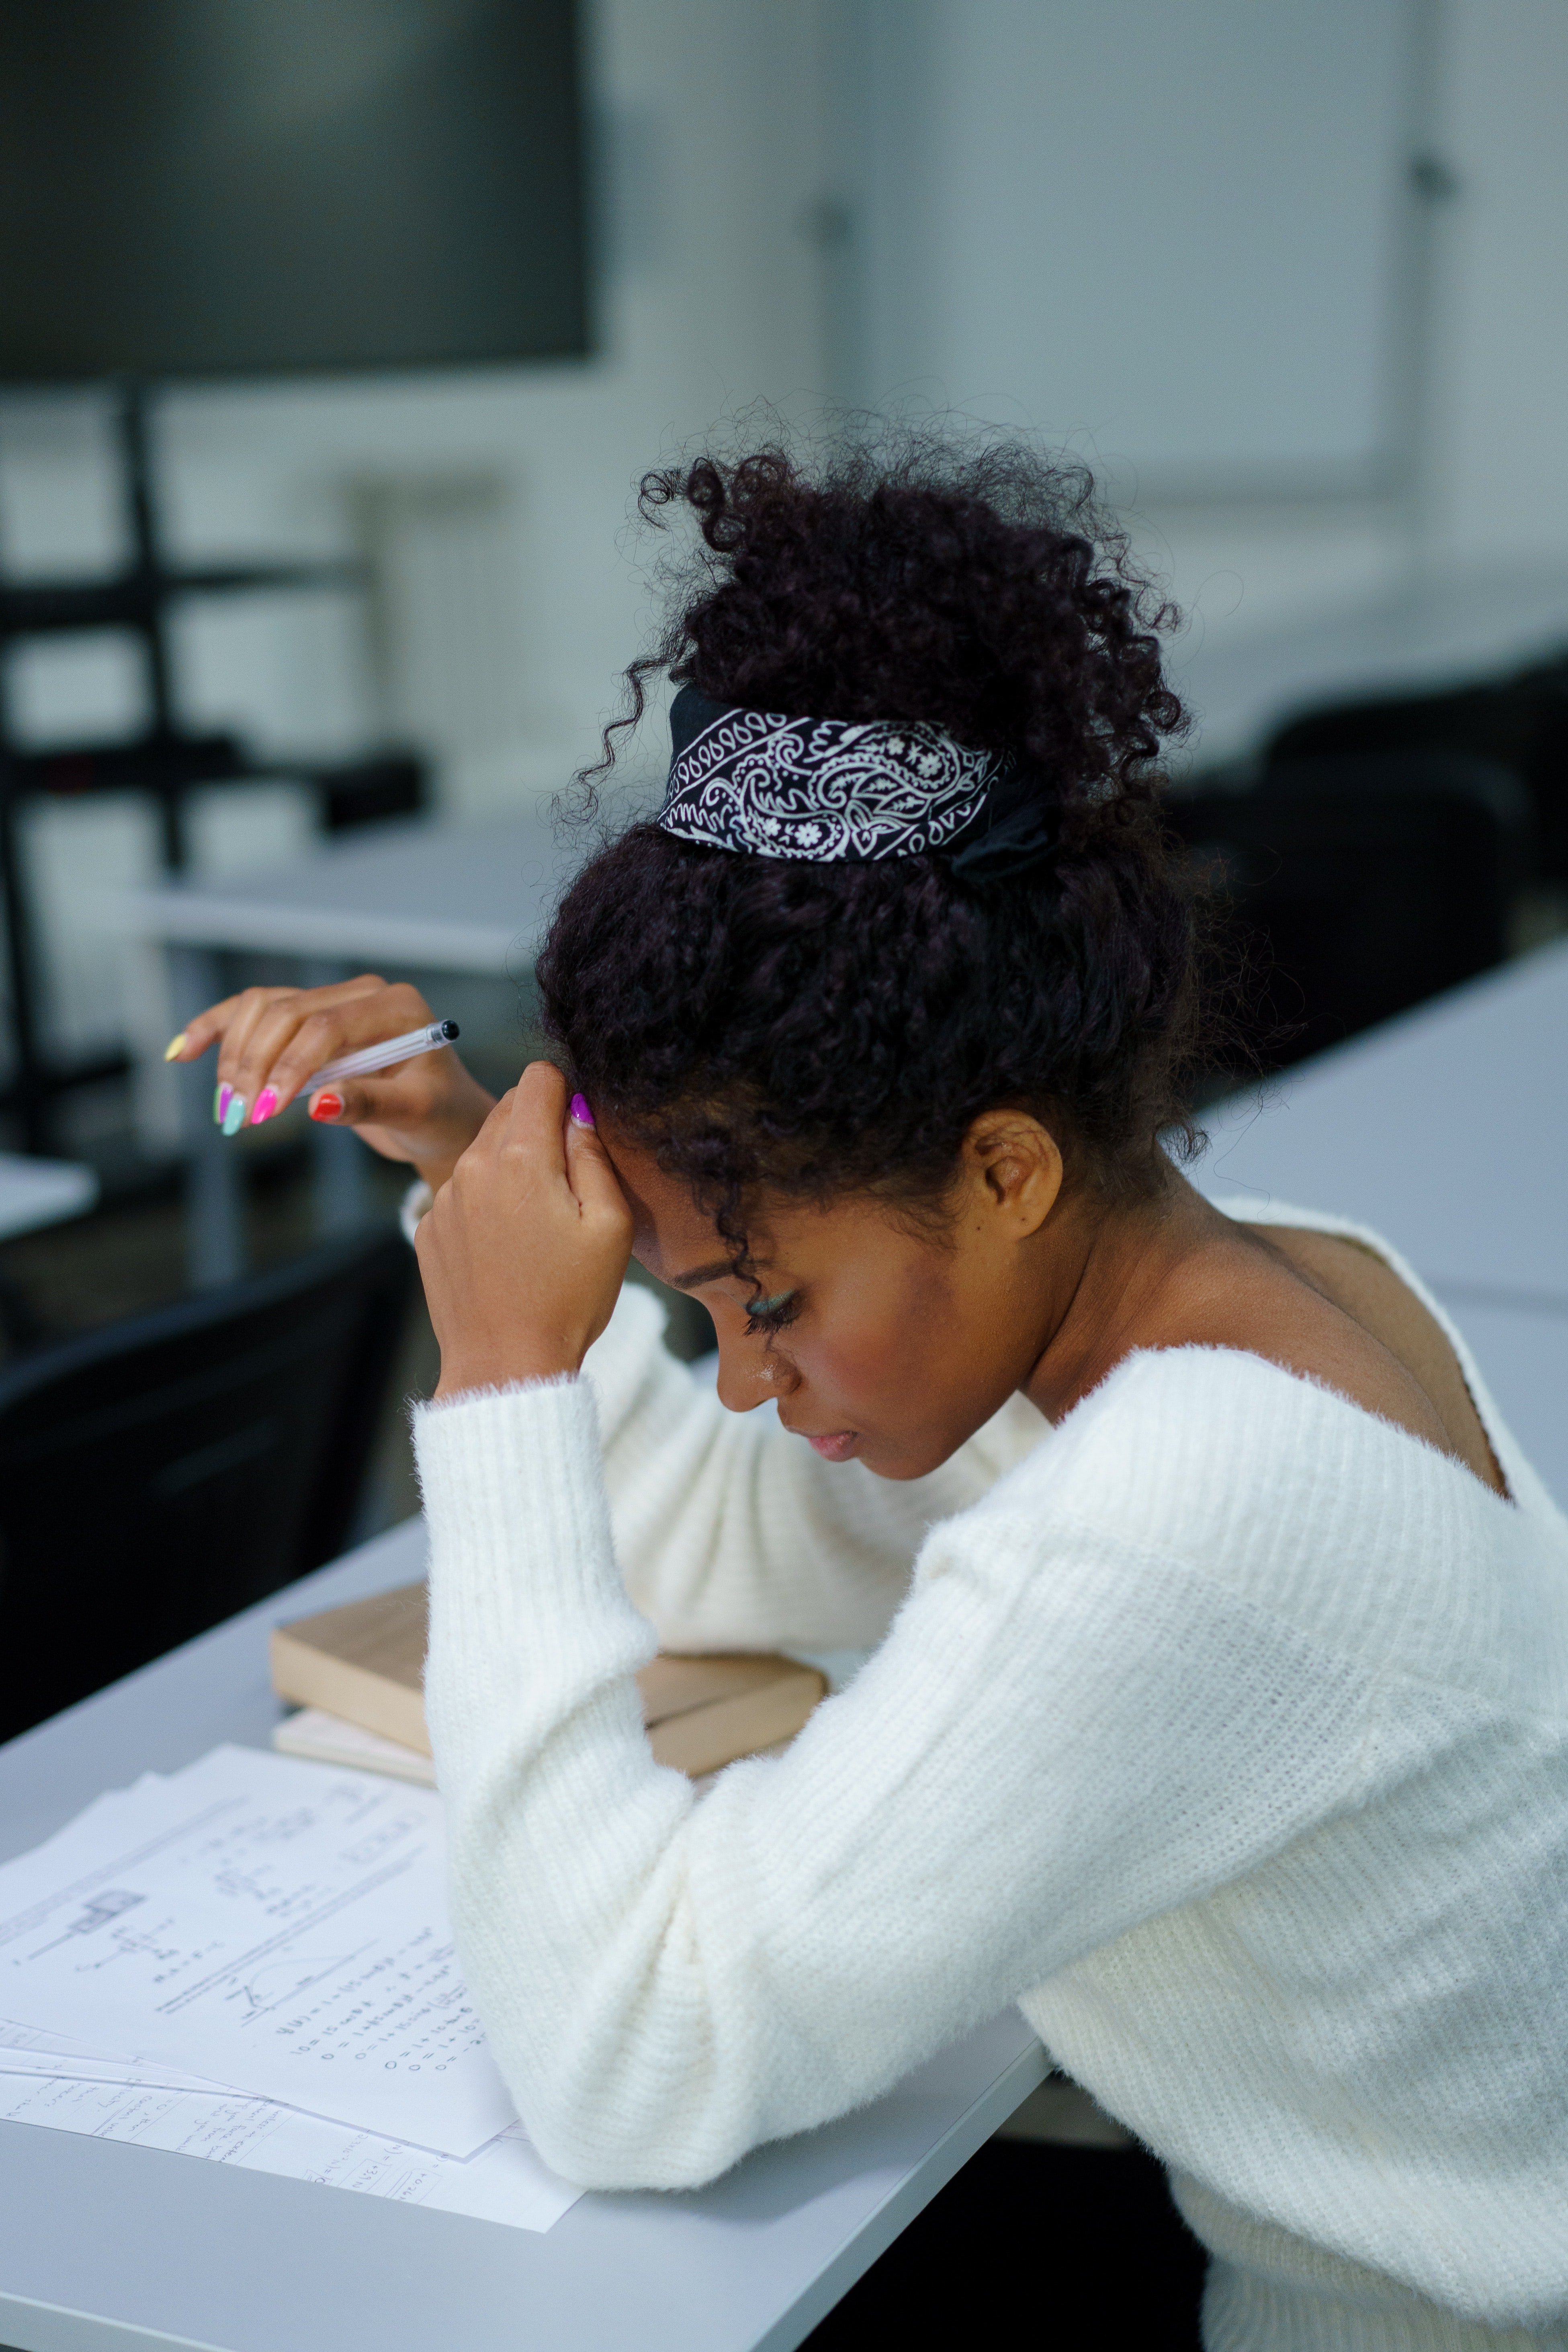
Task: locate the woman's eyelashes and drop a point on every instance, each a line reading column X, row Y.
column 771, row 1313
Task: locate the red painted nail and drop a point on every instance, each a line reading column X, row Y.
column 327, row 1106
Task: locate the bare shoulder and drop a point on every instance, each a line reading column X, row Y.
column 1330, row 1310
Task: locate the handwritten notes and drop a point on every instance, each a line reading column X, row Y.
column 278, row 1928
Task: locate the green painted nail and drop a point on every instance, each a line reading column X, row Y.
column 233, row 1117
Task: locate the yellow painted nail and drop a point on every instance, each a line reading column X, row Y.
column 175, row 1048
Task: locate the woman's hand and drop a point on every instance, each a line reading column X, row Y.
column 426, row 1111
column 524, row 1250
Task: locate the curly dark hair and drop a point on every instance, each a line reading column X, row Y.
column 836, row 1028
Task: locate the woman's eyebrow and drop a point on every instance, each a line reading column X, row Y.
column 714, row 1272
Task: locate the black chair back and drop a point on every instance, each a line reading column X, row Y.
column 1519, row 723
column 159, row 1474
column 1356, row 887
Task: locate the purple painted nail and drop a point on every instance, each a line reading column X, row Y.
column 221, row 1100
column 266, row 1104
column 582, row 1115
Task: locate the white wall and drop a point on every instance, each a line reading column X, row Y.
column 1169, row 234
column 1500, row 392
column 1481, row 525
column 1185, row 242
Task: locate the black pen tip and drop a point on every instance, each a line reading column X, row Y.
column 450, row 1030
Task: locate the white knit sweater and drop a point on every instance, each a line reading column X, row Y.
column 1222, row 1728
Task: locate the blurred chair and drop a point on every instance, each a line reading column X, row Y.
column 1355, row 887
column 161, row 1473
column 1518, row 722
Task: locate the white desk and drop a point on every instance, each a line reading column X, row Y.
column 1447, row 1131
column 35, row 1193
column 104, row 2245
column 422, row 895
column 471, row 897
column 1443, row 631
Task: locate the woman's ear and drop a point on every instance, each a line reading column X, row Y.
column 1017, row 1164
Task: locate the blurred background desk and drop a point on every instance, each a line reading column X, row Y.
column 452, row 898
column 1447, row 1131
column 38, row 1192
column 420, row 897
column 1415, row 640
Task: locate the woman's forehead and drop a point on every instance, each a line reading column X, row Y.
column 681, row 1244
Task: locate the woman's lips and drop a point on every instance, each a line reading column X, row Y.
column 837, row 1446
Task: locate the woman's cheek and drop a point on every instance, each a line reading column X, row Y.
column 864, row 1373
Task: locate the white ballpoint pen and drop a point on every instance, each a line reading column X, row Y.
column 381, row 1058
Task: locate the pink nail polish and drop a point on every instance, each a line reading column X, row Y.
column 266, row 1104
column 582, row 1115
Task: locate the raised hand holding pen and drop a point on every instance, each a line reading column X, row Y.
column 523, row 1253
column 424, row 1111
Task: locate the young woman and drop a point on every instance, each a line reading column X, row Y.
column 1217, row 1712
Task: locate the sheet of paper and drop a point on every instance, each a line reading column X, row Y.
column 274, row 1927
column 504, row 2183
column 29, row 2050
column 311, row 1731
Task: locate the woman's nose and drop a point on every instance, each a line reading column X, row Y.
column 749, row 1373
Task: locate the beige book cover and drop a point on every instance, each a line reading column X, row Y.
column 366, row 1664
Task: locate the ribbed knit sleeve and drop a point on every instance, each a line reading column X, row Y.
column 731, row 1534
column 1063, row 1734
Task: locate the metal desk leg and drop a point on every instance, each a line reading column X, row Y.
column 340, row 1176
column 215, row 1193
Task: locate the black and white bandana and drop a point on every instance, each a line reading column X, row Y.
column 833, row 789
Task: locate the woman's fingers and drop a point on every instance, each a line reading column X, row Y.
column 293, row 1041
column 426, row 1111
column 351, row 1102
column 560, row 1136
column 294, row 1038
column 588, row 1168
column 498, row 1129
column 534, row 1110
column 258, row 1028
column 524, row 1252
column 200, row 1031
column 233, row 1097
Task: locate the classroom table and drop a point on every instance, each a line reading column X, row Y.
column 1447, row 1131
column 422, row 895
column 107, row 2245
column 1450, row 625
column 447, row 897
column 35, row 1192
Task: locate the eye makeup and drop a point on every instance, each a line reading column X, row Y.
column 771, row 1313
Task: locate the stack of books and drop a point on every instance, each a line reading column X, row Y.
column 357, row 1676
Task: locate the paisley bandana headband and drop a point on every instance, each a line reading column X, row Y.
column 833, row 789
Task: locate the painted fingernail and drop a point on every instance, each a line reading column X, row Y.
column 223, row 1094
column 234, row 1115
column 175, row 1048
column 327, row 1106
column 266, row 1104
column 582, row 1115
